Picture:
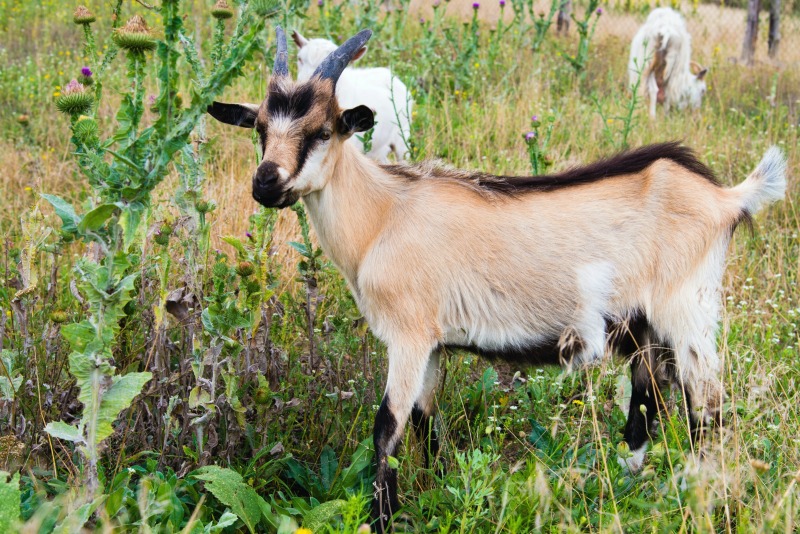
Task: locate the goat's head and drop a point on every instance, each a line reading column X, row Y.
column 300, row 125
column 697, row 87
column 312, row 52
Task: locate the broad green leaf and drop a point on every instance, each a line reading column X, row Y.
column 75, row 521
column 10, row 502
column 61, row 430
column 540, row 437
column 118, row 397
column 229, row 488
column 328, row 465
column 78, row 335
column 96, row 218
column 129, row 221
column 65, row 211
column 301, row 248
column 321, row 515
column 227, row 519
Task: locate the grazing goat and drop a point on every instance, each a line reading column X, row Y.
column 375, row 88
column 623, row 255
column 661, row 57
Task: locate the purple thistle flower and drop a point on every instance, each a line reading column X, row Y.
column 535, row 118
column 86, row 71
column 502, row 3
column 599, row 11
column 152, row 100
column 422, row 20
column 74, row 86
column 530, row 136
column 249, row 235
column 320, row 3
column 475, row 6
column 436, row 3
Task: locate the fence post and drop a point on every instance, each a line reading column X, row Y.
column 751, row 31
column 562, row 22
column 774, row 27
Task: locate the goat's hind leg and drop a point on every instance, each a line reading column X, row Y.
column 424, row 413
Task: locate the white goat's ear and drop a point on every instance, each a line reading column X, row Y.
column 358, row 55
column 695, row 67
column 298, row 39
column 358, row 119
column 243, row 115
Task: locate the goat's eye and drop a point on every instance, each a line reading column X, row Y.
column 324, row 135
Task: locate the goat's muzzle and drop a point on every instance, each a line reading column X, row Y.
column 267, row 188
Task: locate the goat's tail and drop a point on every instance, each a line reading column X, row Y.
column 765, row 185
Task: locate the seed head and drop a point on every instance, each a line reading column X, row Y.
column 59, row 316
column 245, row 269
column 221, row 10
column 82, row 15
column 135, row 36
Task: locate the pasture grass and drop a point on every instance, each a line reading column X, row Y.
column 523, row 449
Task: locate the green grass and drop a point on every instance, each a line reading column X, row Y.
column 524, row 449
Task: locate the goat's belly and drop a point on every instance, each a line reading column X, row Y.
column 532, row 350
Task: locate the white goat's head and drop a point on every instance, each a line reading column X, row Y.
column 695, row 91
column 300, row 125
column 312, row 52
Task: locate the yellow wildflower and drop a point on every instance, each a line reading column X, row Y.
column 28, row 188
column 577, row 402
column 303, row 530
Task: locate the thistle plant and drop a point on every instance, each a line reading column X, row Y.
column 122, row 171
column 537, row 143
column 585, row 29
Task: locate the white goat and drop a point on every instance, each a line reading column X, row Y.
column 625, row 255
column 661, row 54
column 374, row 87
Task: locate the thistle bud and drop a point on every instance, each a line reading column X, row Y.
column 262, row 395
column 161, row 239
column 58, row 316
column 82, row 15
column 85, row 129
column 203, row 206
column 166, row 229
column 74, row 99
column 245, row 269
column 135, row 36
column 221, row 10
column 23, row 119
column 86, row 76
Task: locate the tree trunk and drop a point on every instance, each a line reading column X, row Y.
column 562, row 23
column 774, row 27
column 751, row 31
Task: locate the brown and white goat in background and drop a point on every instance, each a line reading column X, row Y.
column 625, row 254
column 661, row 63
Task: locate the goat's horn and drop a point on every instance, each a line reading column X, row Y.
column 281, row 55
column 333, row 65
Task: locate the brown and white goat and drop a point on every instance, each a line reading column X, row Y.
column 623, row 255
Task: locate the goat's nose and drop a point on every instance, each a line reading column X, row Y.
column 266, row 174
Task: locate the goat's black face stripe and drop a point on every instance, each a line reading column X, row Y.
column 309, row 142
column 295, row 104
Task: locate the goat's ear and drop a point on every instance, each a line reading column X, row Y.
column 298, row 39
column 358, row 119
column 702, row 73
column 358, row 55
column 243, row 115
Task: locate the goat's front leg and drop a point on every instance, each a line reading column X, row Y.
column 404, row 384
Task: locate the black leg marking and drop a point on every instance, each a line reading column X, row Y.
column 427, row 434
column 645, row 399
column 384, row 502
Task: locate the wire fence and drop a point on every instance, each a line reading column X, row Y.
column 718, row 29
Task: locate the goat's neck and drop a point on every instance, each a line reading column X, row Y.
column 350, row 211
